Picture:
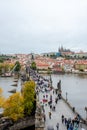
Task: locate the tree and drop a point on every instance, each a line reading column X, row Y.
column 29, row 96
column 11, row 66
column 18, row 66
column 13, row 106
column 2, row 99
column 33, row 66
column 5, row 67
column 1, row 67
column 1, row 60
column 49, row 71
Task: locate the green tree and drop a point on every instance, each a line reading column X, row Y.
column 1, row 60
column 1, row 68
column 49, row 71
column 33, row 65
column 6, row 67
column 18, row 66
column 29, row 96
column 13, row 106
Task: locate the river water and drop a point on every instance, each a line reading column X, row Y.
column 7, row 84
column 75, row 85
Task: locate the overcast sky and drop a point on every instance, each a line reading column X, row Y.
column 42, row 25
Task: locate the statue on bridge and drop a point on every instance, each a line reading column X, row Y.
column 58, row 91
column 59, row 85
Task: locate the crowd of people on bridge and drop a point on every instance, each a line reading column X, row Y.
column 71, row 124
column 45, row 87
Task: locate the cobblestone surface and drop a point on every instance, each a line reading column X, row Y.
column 60, row 108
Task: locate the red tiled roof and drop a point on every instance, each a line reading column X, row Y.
column 82, row 62
column 57, row 69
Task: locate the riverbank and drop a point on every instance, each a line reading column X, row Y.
column 63, row 72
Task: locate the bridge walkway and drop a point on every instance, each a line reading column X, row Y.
column 61, row 108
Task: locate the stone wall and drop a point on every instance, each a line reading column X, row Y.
column 23, row 124
column 39, row 120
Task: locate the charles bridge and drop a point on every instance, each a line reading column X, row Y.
column 63, row 107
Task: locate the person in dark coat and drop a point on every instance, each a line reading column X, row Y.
column 71, row 126
column 50, row 115
column 57, row 126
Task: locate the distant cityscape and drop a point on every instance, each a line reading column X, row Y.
column 63, row 61
column 29, row 66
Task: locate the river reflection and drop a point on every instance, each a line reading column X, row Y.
column 76, row 87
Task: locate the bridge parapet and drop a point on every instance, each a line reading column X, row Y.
column 39, row 120
column 23, row 124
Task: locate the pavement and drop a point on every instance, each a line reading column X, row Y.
column 61, row 108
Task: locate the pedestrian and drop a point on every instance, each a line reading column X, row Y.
column 75, row 127
column 57, row 126
column 46, row 96
column 56, row 100
column 50, row 97
column 43, row 110
column 71, row 126
column 44, row 117
column 65, row 121
column 62, row 118
column 50, row 106
column 49, row 115
column 67, row 125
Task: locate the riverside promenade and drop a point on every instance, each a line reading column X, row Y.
column 61, row 108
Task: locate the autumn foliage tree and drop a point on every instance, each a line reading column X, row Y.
column 29, row 96
column 19, row 104
column 2, row 99
column 5, row 67
column 13, row 106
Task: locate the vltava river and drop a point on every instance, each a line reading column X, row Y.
column 76, row 87
column 6, row 85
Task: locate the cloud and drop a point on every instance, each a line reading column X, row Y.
column 42, row 25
